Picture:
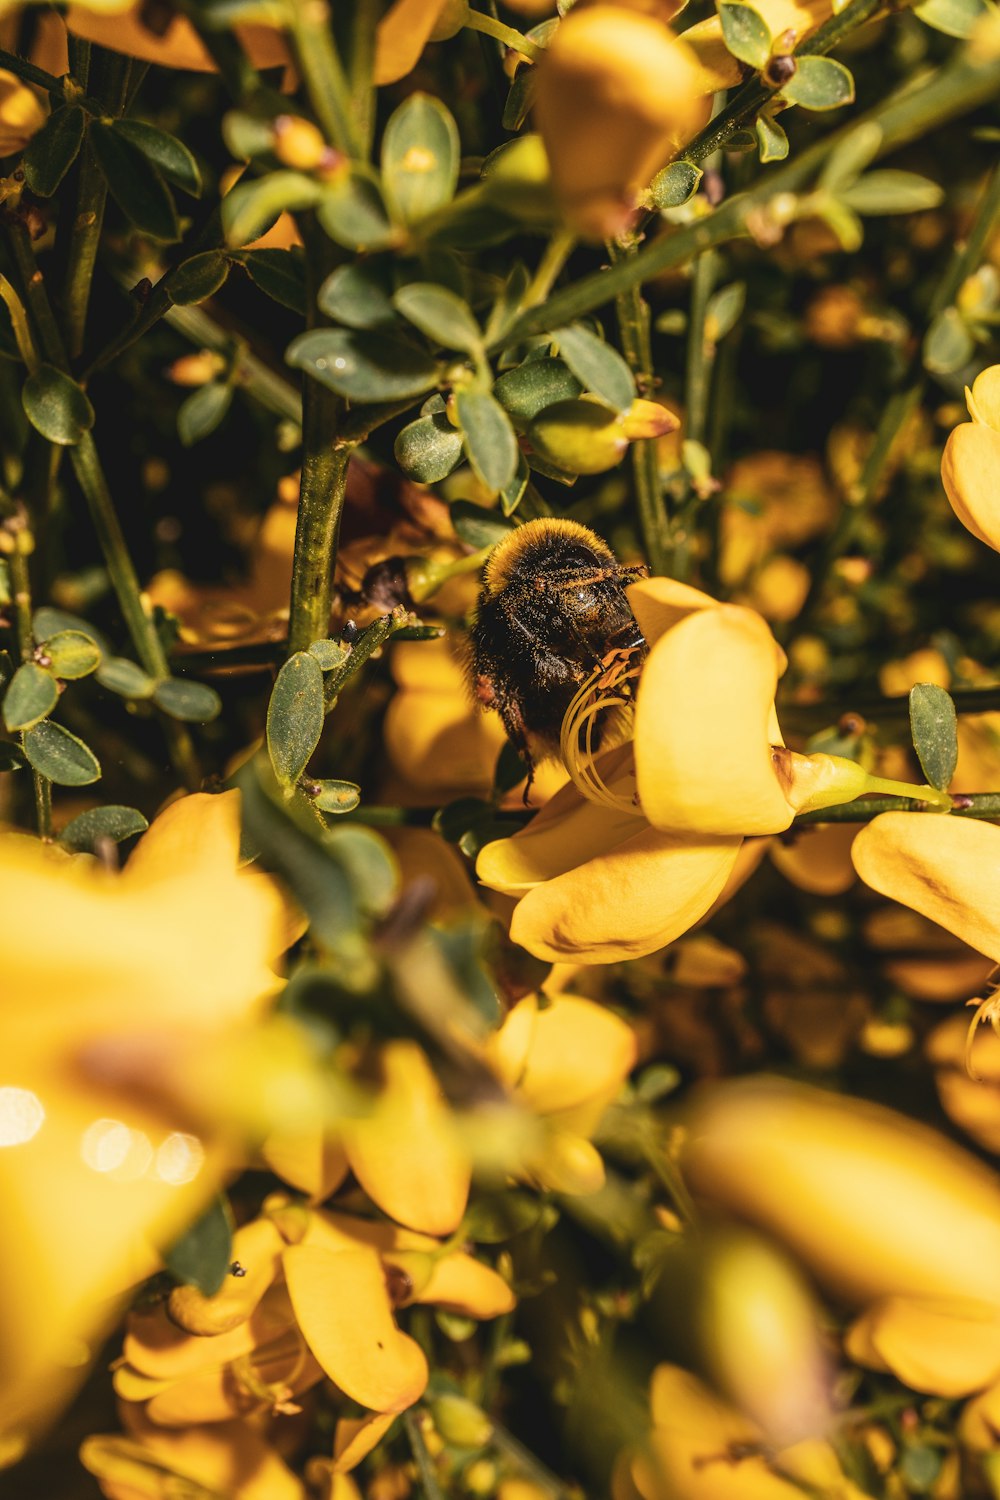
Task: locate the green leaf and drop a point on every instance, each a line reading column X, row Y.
column 420, row 157
column 134, row 182
column 72, row 654
column 47, row 622
column 848, row 160
column 252, row 207
column 948, row 344
column 428, row 449
column 192, row 702
column 119, row 675
column 490, row 440
column 358, row 295
column 675, row 185
column 201, row 413
column 745, row 32
column 31, row 695
column 477, row 526
column 335, row 796
column 98, row 823
column 934, row 727
column 58, row 755
column 353, row 212
column 199, row 277
column 508, row 304
column 891, row 192
column 520, row 98
column 362, row 365
column 295, row 717
column 446, row 319
column 56, row 406
column 165, row 151
column 51, row 153
column 280, row 275
column 771, row 139
column 331, row 655
column 532, row 386
column 597, row 366
column 819, row 83
column 370, row 865
column 953, row 17
column 724, row 310
column 512, row 494
column 203, row 1254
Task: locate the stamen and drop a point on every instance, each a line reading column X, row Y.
column 986, row 1010
column 608, row 689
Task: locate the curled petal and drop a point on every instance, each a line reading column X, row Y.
column 355, row 1437
column 703, row 750
column 406, row 1154
column 969, row 468
column 257, row 1248
column 461, row 1284
column 946, row 868
column 630, row 901
column 984, row 398
column 343, row 1309
column 947, row 1347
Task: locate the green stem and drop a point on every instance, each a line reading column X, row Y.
column 91, row 198
column 951, row 91
column 79, row 59
column 323, row 74
column 48, row 339
column 975, row 805
column 633, row 325
column 490, row 26
column 321, row 501
column 425, row 1468
column 700, row 352
column 17, row 564
column 28, row 73
column 513, row 1448
column 804, row 718
column 554, row 257
column 360, row 67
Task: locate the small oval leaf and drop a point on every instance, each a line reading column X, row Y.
column 58, row 755
column 819, row 83
column 201, row 413
column 934, row 727
column 445, row 318
column 336, row 796
column 420, row 157
column 165, row 151
column 280, row 275
column 201, row 1257
column 198, row 277
column 56, row 406
column 675, row 185
column 31, row 695
column 352, row 211
column 51, row 153
column 359, row 295
column 119, row 675
column 89, row 828
column 295, row 716
column 252, row 207
column 193, row 702
column 746, row 33
column 477, row 526
column 597, row 366
column 428, row 449
column 134, row 182
column 364, row 366
column 490, row 440
column 72, row 654
column 532, row 386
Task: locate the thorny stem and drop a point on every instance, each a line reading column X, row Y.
column 323, row 74
column 951, row 91
column 490, row 26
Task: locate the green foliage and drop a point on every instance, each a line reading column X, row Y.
column 746, row 33
column 56, row 406
column 295, row 717
column 597, row 366
column 202, row 1254
column 934, row 726
column 59, row 755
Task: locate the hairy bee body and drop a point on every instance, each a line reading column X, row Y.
column 552, row 610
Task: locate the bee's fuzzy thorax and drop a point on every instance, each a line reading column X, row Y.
column 513, row 554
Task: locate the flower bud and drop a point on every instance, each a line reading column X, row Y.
column 648, row 419
column 617, row 95
column 196, row 369
column 814, row 781
column 298, row 143
column 461, row 1422
column 581, row 436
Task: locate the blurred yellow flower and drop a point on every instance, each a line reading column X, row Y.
column 439, row 745
column 617, row 95
column 22, row 113
column 972, row 1102
column 970, row 465
column 700, row 1448
column 639, row 848
column 407, row 27
column 123, row 28
column 114, row 986
column 224, row 1458
column 885, row 1213
column 565, row 1061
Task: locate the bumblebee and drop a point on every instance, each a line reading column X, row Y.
column 552, row 613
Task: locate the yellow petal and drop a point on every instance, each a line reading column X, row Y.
column 156, row 1347
column 661, row 603
column 566, row 1163
column 980, row 1421
column 703, row 727
column 969, row 468
column 355, row 1437
column 873, row 1204
column 407, row 1155
column 946, row 868
column 178, row 46
column 227, row 1458
column 984, row 398
column 402, row 35
column 818, row 860
column 342, row 1306
column 630, row 901
column 617, row 94
column 314, row 1163
column 461, row 1284
column 21, row 113
column 257, row 1250
column 948, row 1347
column 578, row 1051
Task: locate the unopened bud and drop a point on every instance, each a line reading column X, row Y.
column 196, row 369
column 582, row 437
column 298, row 143
column 648, row 419
column 815, row 781
column 461, row 1422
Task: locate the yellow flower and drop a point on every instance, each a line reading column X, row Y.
column 224, row 1458
column 437, row 742
column 885, row 1213
column 972, row 1102
column 122, row 27
column 970, row 465
column 617, row 95
column 22, row 114
column 120, row 992
column 565, row 1062
column 407, row 27
column 639, row 848
column 700, row 1448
